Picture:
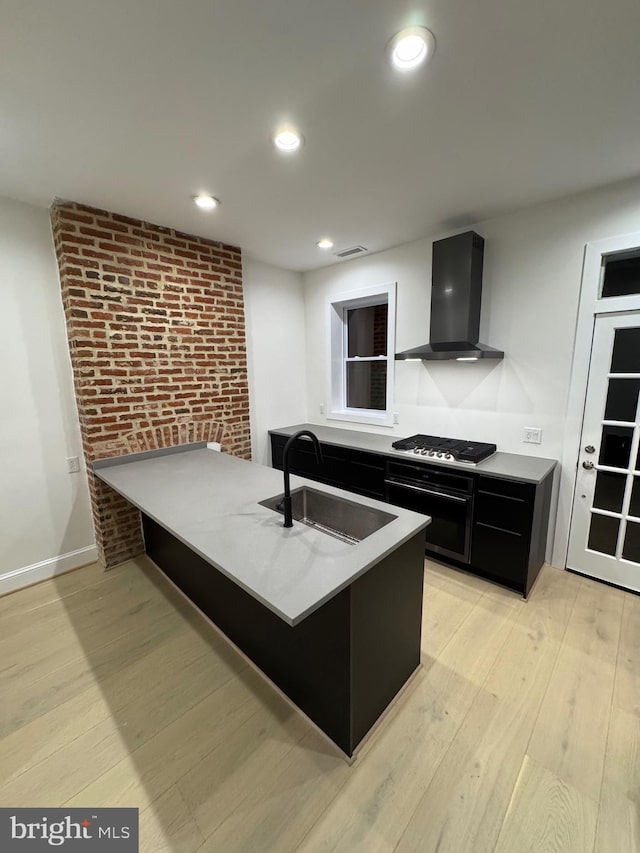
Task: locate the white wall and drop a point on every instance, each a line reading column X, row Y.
column 275, row 321
column 45, row 517
column 533, row 266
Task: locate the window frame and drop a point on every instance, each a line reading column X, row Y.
column 337, row 306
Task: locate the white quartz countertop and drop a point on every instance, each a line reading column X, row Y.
column 511, row 466
column 210, row 502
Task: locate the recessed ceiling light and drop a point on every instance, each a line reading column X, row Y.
column 410, row 48
column 325, row 243
column 206, row 202
column 287, row 139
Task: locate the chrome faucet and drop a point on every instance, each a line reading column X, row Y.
column 288, row 520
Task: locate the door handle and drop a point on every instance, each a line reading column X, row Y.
column 588, row 465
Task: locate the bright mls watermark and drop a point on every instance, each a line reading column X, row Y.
column 34, row 830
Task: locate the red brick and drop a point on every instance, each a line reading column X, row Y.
column 113, row 225
column 73, row 216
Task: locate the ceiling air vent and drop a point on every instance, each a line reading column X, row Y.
column 351, row 252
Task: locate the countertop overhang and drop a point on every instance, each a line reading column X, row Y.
column 210, row 502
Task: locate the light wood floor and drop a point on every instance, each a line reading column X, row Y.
column 520, row 733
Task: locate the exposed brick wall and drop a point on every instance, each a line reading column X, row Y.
column 155, row 320
column 378, row 371
column 380, row 324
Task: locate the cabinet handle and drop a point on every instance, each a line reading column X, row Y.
column 436, row 494
column 498, row 495
column 501, row 529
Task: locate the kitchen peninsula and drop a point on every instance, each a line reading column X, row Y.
column 334, row 624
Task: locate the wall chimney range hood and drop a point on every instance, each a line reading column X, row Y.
column 456, row 291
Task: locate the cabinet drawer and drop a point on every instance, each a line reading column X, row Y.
column 506, row 488
column 501, row 511
column 334, row 459
column 500, row 553
column 302, row 460
column 503, row 504
column 364, row 473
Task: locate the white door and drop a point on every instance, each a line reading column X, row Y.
column 604, row 541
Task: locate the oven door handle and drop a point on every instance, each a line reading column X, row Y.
column 433, row 492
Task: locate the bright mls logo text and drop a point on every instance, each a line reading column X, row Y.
column 101, row 829
column 57, row 832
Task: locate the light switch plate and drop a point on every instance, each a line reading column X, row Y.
column 73, row 464
column 533, row 435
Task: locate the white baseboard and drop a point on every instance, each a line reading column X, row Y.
column 47, row 569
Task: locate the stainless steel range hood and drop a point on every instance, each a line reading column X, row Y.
column 456, row 291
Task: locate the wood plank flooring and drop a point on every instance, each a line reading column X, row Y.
column 520, row 733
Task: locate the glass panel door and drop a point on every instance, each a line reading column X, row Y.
column 605, row 528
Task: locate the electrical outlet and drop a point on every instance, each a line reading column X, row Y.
column 73, row 464
column 533, row 435
column 322, row 408
column 396, row 417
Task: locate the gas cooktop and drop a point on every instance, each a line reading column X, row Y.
column 446, row 449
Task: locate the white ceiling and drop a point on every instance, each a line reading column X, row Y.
column 137, row 105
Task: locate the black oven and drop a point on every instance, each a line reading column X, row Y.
column 446, row 496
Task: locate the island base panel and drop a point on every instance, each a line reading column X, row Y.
column 344, row 663
column 386, row 627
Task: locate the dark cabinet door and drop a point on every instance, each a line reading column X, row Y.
column 343, row 467
column 502, row 529
column 500, row 554
column 364, row 473
column 302, row 460
column 509, row 511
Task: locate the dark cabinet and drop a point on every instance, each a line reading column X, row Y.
column 354, row 470
column 364, row 473
column 302, row 460
column 499, row 554
column 509, row 533
column 504, row 503
column 500, row 531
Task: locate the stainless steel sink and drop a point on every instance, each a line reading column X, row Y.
column 346, row 520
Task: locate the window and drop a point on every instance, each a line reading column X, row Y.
column 362, row 326
column 620, row 274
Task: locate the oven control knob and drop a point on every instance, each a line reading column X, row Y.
column 439, row 455
column 424, row 452
column 431, row 453
column 448, row 456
